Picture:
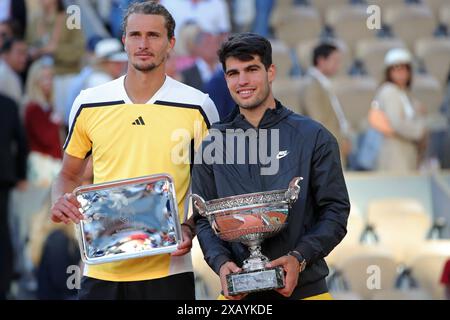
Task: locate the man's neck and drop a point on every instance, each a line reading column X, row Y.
column 254, row 116
column 141, row 86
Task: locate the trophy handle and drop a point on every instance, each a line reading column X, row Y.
column 199, row 204
column 293, row 190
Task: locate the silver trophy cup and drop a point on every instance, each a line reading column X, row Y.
column 249, row 219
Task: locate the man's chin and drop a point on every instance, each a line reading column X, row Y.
column 145, row 68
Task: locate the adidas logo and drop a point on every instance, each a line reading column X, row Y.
column 139, row 122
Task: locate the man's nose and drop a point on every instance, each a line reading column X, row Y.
column 243, row 78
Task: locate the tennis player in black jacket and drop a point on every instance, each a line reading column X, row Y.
column 287, row 145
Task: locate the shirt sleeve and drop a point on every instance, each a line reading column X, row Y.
column 78, row 144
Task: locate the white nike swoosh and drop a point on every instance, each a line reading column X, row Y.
column 282, row 154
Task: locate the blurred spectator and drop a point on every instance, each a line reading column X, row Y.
column 13, row 152
column 219, row 93
column 13, row 61
column 400, row 151
column 79, row 82
column 42, row 125
column 319, row 100
column 211, row 15
column 243, row 15
column 6, row 31
column 107, row 62
column 263, row 9
column 14, row 10
column 52, row 249
column 445, row 279
column 445, row 146
column 204, row 49
column 171, row 67
column 48, row 35
column 118, row 9
column 111, row 62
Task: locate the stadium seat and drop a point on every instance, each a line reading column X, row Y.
column 369, row 272
column 355, row 95
column 410, row 22
column 295, row 24
column 435, row 55
column 397, row 294
column 349, row 23
column 435, row 5
column 401, row 224
column 444, row 15
column 322, row 5
column 371, row 53
column 288, row 91
column 427, row 266
column 383, row 4
column 281, row 58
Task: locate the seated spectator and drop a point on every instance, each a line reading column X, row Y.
column 12, row 174
column 52, row 249
column 399, row 151
column 14, row 10
column 42, row 125
column 13, row 61
column 110, row 62
column 204, row 49
column 208, row 14
column 319, row 100
column 48, row 35
column 218, row 91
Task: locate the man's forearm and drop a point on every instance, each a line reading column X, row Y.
column 64, row 184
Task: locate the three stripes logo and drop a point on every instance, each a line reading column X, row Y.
column 139, row 122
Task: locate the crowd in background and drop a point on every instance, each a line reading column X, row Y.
column 44, row 65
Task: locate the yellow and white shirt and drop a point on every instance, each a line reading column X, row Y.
column 129, row 140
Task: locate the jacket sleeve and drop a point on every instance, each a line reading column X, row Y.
column 216, row 251
column 331, row 201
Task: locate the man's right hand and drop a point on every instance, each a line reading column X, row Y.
column 227, row 268
column 65, row 209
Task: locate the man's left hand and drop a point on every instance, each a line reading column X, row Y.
column 185, row 246
column 292, row 268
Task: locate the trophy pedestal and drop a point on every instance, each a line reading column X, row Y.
column 255, row 280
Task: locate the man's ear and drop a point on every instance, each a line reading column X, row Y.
column 271, row 73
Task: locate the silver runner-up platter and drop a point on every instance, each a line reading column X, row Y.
column 128, row 219
column 249, row 219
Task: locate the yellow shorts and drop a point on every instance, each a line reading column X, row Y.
column 322, row 296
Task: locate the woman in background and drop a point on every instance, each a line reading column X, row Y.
column 400, row 149
column 42, row 126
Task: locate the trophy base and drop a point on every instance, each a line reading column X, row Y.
column 254, row 281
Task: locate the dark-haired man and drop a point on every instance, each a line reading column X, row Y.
column 318, row 100
column 101, row 124
column 298, row 146
column 13, row 61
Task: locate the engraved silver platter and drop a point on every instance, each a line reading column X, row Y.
column 128, row 219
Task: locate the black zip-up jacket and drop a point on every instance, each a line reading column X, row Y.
column 316, row 222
